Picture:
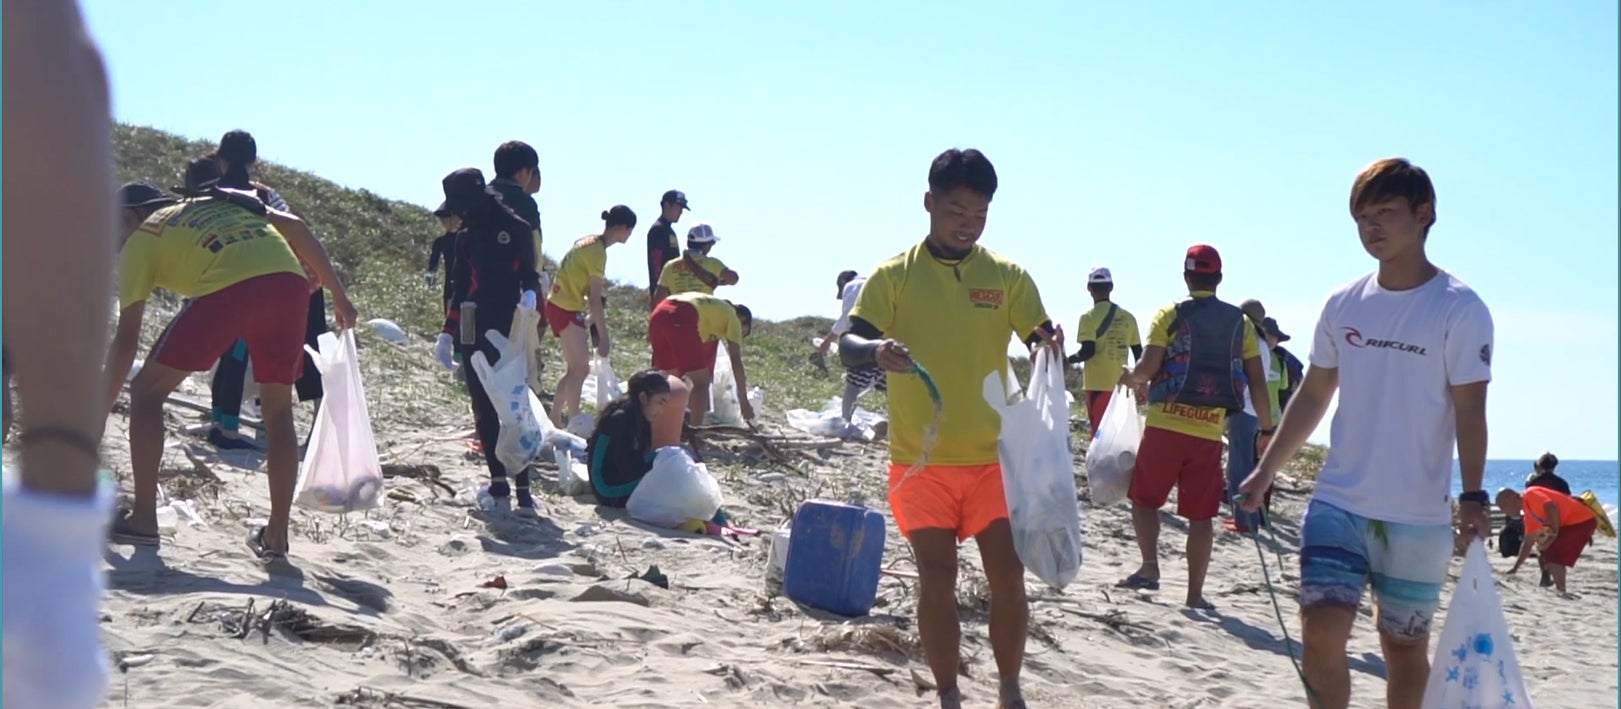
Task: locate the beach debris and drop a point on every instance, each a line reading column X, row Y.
column 653, row 576
column 496, row 581
column 370, row 697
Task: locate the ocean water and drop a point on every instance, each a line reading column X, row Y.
column 1603, row 477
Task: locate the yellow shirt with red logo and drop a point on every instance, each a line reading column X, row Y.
column 717, row 319
column 1205, row 422
column 677, row 276
column 197, row 247
column 956, row 320
column 587, row 259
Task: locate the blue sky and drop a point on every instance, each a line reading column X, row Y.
column 1122, row 132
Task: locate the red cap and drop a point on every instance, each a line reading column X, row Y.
column 1202, row 258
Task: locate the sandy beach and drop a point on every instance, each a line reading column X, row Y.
column 399, row 607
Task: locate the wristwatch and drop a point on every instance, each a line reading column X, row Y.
column 1478, row 497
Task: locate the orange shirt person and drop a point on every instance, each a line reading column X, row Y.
column 1561, row 527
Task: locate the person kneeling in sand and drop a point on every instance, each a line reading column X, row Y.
column 1560, row 525
column 238, row 261
column 685, row 331
column 620, row 450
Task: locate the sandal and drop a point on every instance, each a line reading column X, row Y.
column 122, row 532
column 256, row 544
column 1139, row 582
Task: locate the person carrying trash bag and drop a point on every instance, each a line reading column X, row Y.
column 493, row 275
column 577, row 292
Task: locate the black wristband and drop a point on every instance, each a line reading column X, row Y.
column 1267, row 431
column 69, row 437
column 1478, row 497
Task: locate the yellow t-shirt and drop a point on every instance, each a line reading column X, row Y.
column 198, row 247
column 1102, row 371
column 1204, row 422
column 677, row 276
column 717, row 319
column 956, row 322
column 587, row 259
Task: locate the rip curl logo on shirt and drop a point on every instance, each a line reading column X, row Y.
column 1486, row 355
column 990, row 298
column 1354, row 338
column 503, row 238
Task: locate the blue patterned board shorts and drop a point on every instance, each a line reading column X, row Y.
column 1341, row 553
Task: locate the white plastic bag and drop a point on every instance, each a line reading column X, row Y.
column 1038, row 474
column 675, row 490
column 829, row 422
column 525, row 336
column 601, row 384
column 1474, row 663
column 1112, row 456
column 340, row 472
column 520, row 411
column 725, row 408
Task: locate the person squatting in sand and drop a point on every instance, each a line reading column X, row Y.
column 685, row 331
column 494, row 275
column 620, row 449
column 238, row 262
column 580, row 283
column 1412, row 345
column 1202, row 357
column 857, row 380
column 949, row 305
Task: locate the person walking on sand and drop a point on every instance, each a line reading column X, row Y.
column 694, row 271
column 1243, row 426
column 1560, row 526
column 685, row 330
column 59, row 149
column 443, row 249
column 1202, row 356
column 949, row 305
column 1412, row 346
column 239, row 262
column 517, row 180
column 494, row 275
column 661, row 243
column 581, row 280
column 1106, row 333
column 857, row 380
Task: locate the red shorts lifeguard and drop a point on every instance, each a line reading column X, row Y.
column 684, row 329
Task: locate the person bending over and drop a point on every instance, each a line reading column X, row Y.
column 684, row 330
column 1560, row 527
column 581, row 281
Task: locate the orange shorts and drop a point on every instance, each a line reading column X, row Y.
column 962, row 498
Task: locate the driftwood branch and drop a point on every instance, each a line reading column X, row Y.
column 426, row 474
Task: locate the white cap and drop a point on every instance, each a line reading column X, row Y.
column 1100, row 275
column 702, row 233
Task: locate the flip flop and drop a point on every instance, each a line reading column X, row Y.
column 256, row 544
column 1138, row 582
column 122, row 532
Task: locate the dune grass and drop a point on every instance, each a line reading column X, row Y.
column 380, row 248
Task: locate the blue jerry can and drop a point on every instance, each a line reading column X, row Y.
column 835, row 555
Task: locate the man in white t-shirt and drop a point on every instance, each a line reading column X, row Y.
column 1409, row 349
column 857, row 381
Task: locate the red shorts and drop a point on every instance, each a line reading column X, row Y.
column 1096, row 403
column 269, row 312
column 962, row 498
column 1568, row 546
column 672, row 330
column 559, row 319
column 1167, row 459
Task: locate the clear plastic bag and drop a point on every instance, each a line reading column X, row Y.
column 340, row 472
column 1474, row 663
column 725, row 407
column 524, row 423
column 1112, row 456
column 601, row 384
column 677, row 489
column 1038, row 473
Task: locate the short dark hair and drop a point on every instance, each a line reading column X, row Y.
column 1547, row 462
column 962, row 168
column 1391, row 178
column 744, row 315
column 843, row 280
column 1202, row 281
column 238, row 148
column 515, row 155
column 619, row 215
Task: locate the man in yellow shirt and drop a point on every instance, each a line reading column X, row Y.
column 1202, row 354
column 695, row 271
column 685, row 331
column 1106, row 333
column 950, row 305
column 238, row 261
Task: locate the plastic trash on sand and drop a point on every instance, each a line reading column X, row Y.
column 1038, row 473
column 676, row 490
column 1112, row 456
column 340, row 472
column 387, row 329
column 1474, row 663
column 601, row 385
column 830, row 421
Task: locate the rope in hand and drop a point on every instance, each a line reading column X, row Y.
column 1312, row 698
column 931, row 432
